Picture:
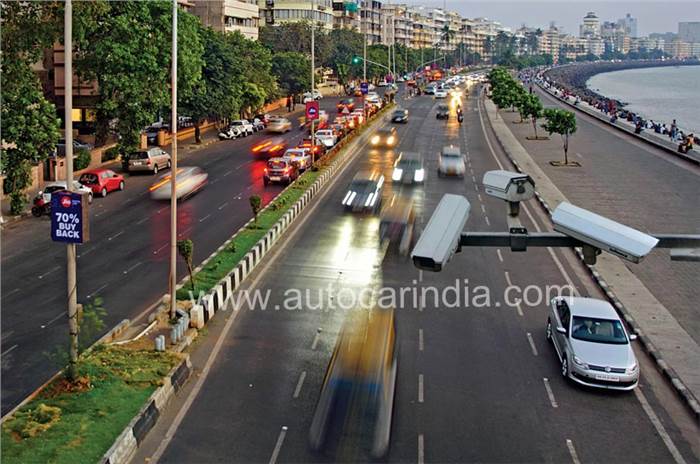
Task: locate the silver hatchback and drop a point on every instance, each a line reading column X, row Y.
column 592, row 343
column 153, row 160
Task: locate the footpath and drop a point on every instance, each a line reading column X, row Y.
column 674, row 351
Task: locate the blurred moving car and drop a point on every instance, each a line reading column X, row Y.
column 408, row 168
column 397, row 224
column 102, row 181
column 300, row 156
column 244, row 125
column 365, row 192
column 282, row 170
column 327, row 137
column 592, row 343
column 400, row 115
column 345, row 103
column 270, row 148
column 443, row 112
column 279, row 125
column 152, row 159
column 360, row 377
column 386, row 137
column 451, row 162
column 56, row 186
column 190, row 180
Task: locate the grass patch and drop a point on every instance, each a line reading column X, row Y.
column 79, row 421
column 227, row 259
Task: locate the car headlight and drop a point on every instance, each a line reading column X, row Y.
column 419, row 175
column 398, row 172
column 370, row 199
column 375, row 140
column 632, row 369
column 349, row 197
column 391, row 140
column 580, row 362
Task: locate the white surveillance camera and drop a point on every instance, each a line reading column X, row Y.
column 441, row 237
column 509, row 186
column 602, row 233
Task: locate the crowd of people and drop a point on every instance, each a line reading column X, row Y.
column 566, row 83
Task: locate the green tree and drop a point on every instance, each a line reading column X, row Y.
column 256, row 83
column 293, row 72
column 560, row 122
column 255, row 204
column 185, row 249
column 531, row 107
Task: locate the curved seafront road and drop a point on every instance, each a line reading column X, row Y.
column 475, row 383
column 126, row 260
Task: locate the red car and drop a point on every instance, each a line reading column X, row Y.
column 102, row 181
column 348, row 103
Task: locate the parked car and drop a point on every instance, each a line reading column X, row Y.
column 77, row 145
column 245, row 125
column 190, row 180
column 400, row 115
column 282, row 170
column 51, row 187
column 152, row 133
column 279, row 125
column 373, row 97
column 270, row 147
column 152, row 159
column 102, row 181
column 231, row 133
column 300, row 156
column 258, row 125
column 327, row 137
column 592, row 343
column 365, row 192
column 443, row 112
column 408, row 168
column 386, row 137
column 451, row 162
column 311, row 96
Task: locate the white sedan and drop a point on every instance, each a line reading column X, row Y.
column 244, row 125
column 56, row 186
column 300, row 156
column 440, row 93
column 326, row 137
column 190, row 180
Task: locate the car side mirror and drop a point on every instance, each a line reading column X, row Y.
column 633, row 337
column 561, row 330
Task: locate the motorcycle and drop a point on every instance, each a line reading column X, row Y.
column 230, row 133
column 460, row 117
column 41, row 206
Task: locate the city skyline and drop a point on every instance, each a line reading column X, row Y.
column 568, row 14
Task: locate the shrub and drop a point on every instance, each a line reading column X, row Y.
column 110, row 154
column 81, row 160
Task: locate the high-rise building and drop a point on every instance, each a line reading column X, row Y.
column 371, row 22
column 229, row 15
column 590, row 26
column 629, row 24
column 346, row 15
column 689, row 31
column 282, row 11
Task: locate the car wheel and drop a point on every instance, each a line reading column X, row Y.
column 155, row 169
column 565, row 366
column 121, row 185
column 548, row 330
column 103, row 192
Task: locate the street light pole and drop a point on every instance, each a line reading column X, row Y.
column 70, row 247
column 313, row 77
column 173, row 170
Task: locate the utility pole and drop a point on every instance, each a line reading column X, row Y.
column 173, row 171
column 71, row 264
column 313, row 78
column 363, row 26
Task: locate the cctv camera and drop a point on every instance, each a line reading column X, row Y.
column 441, row 237
column 602, row 233
column 509, row 186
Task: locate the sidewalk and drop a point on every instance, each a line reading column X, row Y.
column 675, row 352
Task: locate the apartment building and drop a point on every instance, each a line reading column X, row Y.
column 282, row 11
column 229, row 15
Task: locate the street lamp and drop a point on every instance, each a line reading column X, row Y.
column 173, row 170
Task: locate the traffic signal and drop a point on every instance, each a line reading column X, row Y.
column 356, row 60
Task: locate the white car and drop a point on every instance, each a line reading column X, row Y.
column 299, row 155
column 309, row 96
column 244, row 125
column 231, row 133
column 451, row 162
column 190, row 180
column 441, row 93
column 58, row 185
column 326, row 137
column 592, row 343
column 279, row 125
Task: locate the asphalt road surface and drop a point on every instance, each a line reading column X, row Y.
column 126, row 262
column 476, row 383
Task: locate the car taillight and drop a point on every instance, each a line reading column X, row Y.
column 265, row 170
column 148, row 162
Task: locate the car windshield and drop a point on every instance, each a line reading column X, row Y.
column 598, row 330
column 88, row 179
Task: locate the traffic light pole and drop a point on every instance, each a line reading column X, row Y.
column 173, row 171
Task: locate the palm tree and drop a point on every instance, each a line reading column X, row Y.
column 446, row 37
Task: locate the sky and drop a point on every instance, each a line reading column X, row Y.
column 652, row 16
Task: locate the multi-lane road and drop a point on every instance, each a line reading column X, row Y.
column 476, row 383
column 126, row 260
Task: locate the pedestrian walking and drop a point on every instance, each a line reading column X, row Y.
column 289, row 103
